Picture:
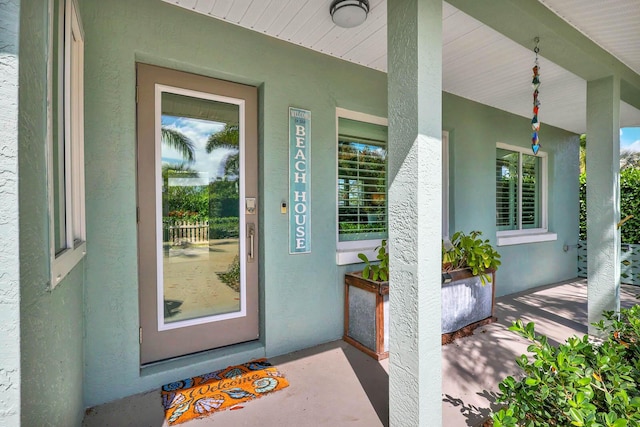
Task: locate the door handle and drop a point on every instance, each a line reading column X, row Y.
column 251, row 232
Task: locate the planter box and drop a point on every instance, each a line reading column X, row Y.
column 466, row 304
column 366, row 315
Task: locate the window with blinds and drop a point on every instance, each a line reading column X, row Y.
column 530, row 191
column 518, row 190
column 362, row 181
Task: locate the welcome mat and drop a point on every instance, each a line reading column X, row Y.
column 200, row 396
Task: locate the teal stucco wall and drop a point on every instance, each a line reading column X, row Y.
column 51, row 322
column 301, row 295
column 474, row 131
column 9, row 218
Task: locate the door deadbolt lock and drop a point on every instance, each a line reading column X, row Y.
column 250, row 205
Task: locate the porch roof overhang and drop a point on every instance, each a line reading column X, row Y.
column 487, row 50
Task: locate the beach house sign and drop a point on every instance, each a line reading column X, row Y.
column 299, row 181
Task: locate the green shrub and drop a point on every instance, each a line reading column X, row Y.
column 231, row 277
column 578, row 383
column 629, row 205
column 224, row 228
column 583, row 206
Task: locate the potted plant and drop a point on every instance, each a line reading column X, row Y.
column 469, row 264
column 366, row 307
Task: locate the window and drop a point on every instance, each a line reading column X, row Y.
column 362, row 181
column 362, row 184
column 66, row 140
column 521, row 180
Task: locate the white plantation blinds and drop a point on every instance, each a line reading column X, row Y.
column 362, row 180
column 518, row 177
column 530, row 191
column 507, row 190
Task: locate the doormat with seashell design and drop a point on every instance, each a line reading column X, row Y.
column 200, row 396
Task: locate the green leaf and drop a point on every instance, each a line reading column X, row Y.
column 529, row 329
column 576, row 416
column 584, row 381
column 531, row 381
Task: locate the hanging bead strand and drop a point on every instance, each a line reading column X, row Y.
column 535, row 122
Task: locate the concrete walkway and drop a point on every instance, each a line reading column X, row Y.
column 336, row 385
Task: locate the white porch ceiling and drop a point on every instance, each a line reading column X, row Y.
column 478, row 62
column 612, row 24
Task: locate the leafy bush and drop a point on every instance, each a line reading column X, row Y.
column 231, row 277
column 583, row 206
column 224, row 228
column 629, row 205
column 579, row 383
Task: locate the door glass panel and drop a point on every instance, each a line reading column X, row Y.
column 201, row 253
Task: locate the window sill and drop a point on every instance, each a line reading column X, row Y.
column 350, row 256
column 65, row 262
column 519, row 239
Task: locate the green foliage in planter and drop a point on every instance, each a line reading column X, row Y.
column 379, row 271
column 470, row 251
column 578, row 383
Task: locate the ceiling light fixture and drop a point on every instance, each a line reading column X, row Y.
column 349, row 13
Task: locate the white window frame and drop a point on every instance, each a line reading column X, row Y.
column 70, row 142
column 347, row 252
column 161, row 89
column 528, row 235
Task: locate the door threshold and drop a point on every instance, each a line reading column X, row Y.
column 205, row 361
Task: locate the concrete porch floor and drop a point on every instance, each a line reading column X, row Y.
column 334, row 384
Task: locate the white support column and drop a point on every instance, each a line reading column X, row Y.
column 9, row 219
column 603, row 196
column 415, row 210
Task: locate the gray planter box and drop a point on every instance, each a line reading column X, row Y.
column 466, row 304
column 366, row 315
column 466, row 301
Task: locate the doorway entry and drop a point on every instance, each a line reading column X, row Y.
column 197, row 186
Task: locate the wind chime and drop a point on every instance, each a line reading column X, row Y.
column 535, row 122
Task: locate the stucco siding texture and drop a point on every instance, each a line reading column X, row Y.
column 9, row 220
column 51, row 322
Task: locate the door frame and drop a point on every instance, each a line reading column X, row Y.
column 151, row 80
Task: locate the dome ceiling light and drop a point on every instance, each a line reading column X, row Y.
column 349, row 13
